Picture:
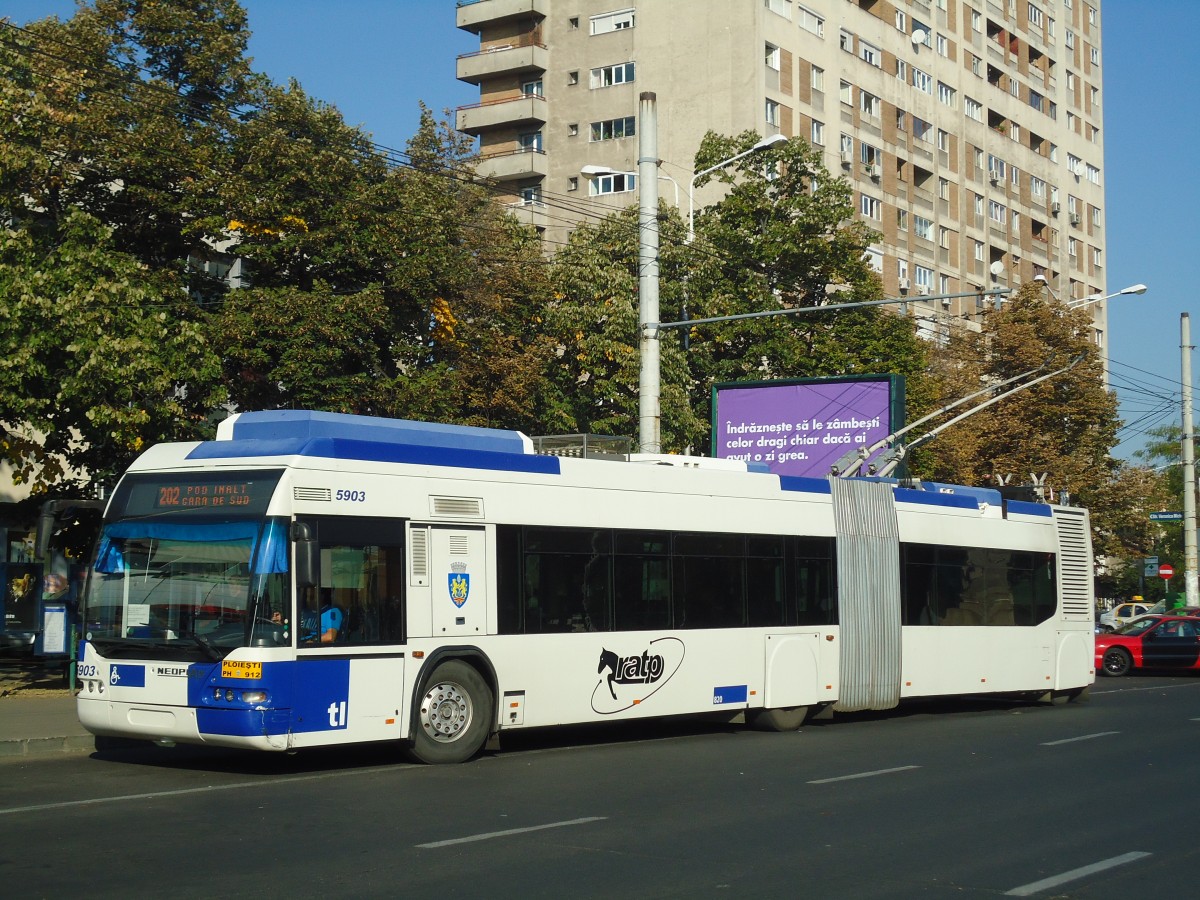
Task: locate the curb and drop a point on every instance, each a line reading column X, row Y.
column 30, row 747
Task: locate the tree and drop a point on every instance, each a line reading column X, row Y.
column 97, row 366
column 784, row 237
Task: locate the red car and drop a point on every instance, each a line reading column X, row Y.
column 1150, row 642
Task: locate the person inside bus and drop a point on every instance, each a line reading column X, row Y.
column 319, row 624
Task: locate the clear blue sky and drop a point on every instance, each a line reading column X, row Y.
column 375, row 59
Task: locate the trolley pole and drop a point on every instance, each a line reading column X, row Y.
column 1191, row 589
column 649, row 413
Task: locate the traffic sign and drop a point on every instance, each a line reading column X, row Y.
column 1166, row 571
column 1149, row 566
column 1166, row 517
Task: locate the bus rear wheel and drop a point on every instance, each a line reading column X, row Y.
column 453, row 715
column 784, row 718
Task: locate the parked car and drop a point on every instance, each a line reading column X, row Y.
column 1150, row 642
column 1114, row 618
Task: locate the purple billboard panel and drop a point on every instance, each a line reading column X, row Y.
column 801, row 428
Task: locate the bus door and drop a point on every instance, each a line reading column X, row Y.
column 458, row 572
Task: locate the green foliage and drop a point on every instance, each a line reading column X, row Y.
column 96, row 365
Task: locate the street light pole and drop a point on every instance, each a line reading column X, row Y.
column 1190, row 586
column 1097, row 298
column 649, row 416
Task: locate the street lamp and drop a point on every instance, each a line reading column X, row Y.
column 1097, row 298
column 769, row 141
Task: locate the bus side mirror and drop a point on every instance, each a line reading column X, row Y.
column 308, row 556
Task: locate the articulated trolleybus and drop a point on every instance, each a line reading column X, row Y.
column 311, row 579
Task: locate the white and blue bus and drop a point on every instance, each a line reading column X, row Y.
column 311, row 579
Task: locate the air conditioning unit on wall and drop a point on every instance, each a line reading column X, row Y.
column 923, row 290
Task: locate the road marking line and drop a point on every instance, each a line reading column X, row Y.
column 864, row 775
column 1084, row 737
column 496, row 834
column 1027, row 890
column 154, row 795
column 1161, row 687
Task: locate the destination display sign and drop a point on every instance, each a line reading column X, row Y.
column 232, row 493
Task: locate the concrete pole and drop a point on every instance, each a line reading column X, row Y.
column 649, row 414
column 1191, row 589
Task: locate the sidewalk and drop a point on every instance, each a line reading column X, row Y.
column 37, row 715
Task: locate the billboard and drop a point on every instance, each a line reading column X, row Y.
column 802, row 426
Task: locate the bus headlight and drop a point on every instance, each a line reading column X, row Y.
column 254, row 697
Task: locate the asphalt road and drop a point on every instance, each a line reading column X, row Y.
column 963, row 799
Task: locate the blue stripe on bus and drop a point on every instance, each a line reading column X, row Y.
column 374, row 451
column 308, row 694
column 929, row 498
column 243, row 722
column 1025, row 508
column 804, row 484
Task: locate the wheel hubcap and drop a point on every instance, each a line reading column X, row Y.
column 446, row 712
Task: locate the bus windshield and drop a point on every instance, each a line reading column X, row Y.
column 188, row 590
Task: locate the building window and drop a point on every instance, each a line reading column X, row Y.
column 1072, row 247
column 532, row 195
column 902, row 70
column 901, row 21
column 1014, row 176
column 574, row 23
column 922, row 81
column 1036, row 18
column 976, row 21
column 943, row 237
column 573, row 129
column 810, row 21
column 1037, row 187
column 943, row 46
column 846, row 92
column 902, row 221
column 943, row 189
column 901, row 120
column 978, row 250
column 818, row 79
column 532, row 88
column 870, row 207
column 902, row 269
column 530, row 143
column 619, row 20
column 572, row 78
column 996, row 167
column 607, row 76
column 614, row 129
column 779, row 7
column 979, row 204
column 613, row 183
column 976, row 65
column 1036, row 100
column 925, row 30
column 946, row 93
column 1070, row 37
column 772, row 111
column 1093, row 174
column 846, row 40
column 997, row 212
column 572, row 184
column 974, row 109
column 871, row 54
column 943, row 140
column 922, row 130
column 923, row 228
column 869, row 104
column 771, row 57
column 818, row 133
column 924, row 276
column 870, row 156
column 1094, row 53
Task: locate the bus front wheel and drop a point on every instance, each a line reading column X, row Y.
column 784, row 718
column 454, row 711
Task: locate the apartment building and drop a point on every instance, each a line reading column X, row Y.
column 969, row 129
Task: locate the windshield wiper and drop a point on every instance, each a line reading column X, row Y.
column 209, row 650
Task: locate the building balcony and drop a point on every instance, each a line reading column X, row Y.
column 473, row 15
column 525, row 109
column 512, row 165
column 530, row 213
column 509, row 59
